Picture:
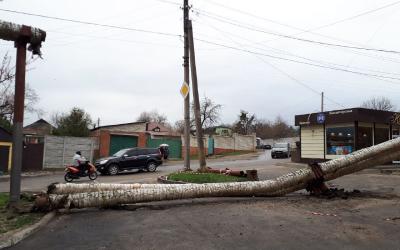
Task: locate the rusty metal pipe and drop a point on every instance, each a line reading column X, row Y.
column 19, row 99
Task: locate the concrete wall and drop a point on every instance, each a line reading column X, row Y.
column 193, row 145
column 224, row 144
column 58, row 150
column 291, row 140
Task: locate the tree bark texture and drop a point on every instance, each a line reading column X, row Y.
column 12, row 32
column 103, row 195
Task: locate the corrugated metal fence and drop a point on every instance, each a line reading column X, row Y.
column 58, row 151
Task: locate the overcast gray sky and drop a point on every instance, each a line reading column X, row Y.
column 116, row 74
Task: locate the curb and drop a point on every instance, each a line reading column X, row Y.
column 14, row 237
column 164, row 180
column 5, row 178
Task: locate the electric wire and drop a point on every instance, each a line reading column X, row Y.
column 294, row 61
column 256, row 29
column 282, row 71
column 280, row 51
column 92, row 23
column 300, row 29
column 201, row 40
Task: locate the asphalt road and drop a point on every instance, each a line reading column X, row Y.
column 367, row 221
column 261, row 161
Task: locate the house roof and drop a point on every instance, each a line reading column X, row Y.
column 116, row 125
column 37, row 124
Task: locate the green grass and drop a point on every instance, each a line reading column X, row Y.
column 204, row 177
column 3, row 200
column 10, row 220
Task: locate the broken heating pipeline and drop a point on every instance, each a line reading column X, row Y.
column 23, row 34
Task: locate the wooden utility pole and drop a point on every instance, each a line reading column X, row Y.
column 186, row 80
column 199, row 129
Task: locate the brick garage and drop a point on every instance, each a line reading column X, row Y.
column 136, row 134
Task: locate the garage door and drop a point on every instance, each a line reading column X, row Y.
column 119, row 142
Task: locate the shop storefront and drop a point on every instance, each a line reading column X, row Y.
column 329, row 135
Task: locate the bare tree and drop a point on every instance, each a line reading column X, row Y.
column 379, row 103
column 179, row 126
column 209, row 112
column 152, row 116
column 245, row 124
column 7, row 76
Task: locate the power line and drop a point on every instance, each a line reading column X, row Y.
column 253, row 28
column 92, row 23
column 280, row 51
column 282, row 71
column 205, row 41
column 304, row 30
column 295, row 61
column 313, row 29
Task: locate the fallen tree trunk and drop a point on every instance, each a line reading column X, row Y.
column 71, row 188
column 288, row 183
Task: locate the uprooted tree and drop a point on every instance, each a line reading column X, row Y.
column 106, row 195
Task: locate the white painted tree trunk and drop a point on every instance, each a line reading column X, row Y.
column 101, row 195
column 71, row 188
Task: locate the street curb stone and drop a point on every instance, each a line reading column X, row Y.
column 14, row 237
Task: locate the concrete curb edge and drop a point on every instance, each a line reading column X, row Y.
column 12, row 238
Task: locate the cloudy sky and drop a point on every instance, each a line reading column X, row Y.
column 115, row 74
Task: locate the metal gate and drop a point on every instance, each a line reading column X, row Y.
column 210, row 146
column 175, row 146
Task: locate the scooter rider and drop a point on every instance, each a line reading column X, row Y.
column 79, row 161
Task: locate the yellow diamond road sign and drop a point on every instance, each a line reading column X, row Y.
column 184, row 90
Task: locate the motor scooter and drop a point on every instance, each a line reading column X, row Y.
column 73, row 172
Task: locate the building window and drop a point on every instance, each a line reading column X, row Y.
column 364, row 137
column 381, row 135
column 340, row 141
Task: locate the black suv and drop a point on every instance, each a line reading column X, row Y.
column 128, row 159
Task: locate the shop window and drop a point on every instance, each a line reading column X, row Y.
column 364, row 137
column 381, row 135
column 340, row 141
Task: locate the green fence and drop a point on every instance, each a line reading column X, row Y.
column 175, row 145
